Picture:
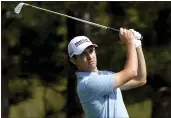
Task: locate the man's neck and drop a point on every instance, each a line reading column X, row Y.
column 92, row 70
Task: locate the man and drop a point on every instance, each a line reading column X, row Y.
column 100, row 91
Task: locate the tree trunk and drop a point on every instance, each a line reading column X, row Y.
column 74, row 109
column 4, row 81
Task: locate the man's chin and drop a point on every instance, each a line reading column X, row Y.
column 93, row 68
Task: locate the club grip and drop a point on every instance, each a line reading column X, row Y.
column 116, row 30
column 112, row 29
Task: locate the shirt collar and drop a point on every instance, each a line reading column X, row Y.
column 84, row 74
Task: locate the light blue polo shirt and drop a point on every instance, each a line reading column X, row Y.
column 98, row 97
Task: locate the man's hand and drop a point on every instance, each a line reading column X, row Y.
column 137, row 37
column 127, row 36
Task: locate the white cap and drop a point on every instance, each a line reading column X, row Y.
column 78, row 44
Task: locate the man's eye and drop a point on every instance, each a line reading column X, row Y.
column 83, row 53
column 91, row 50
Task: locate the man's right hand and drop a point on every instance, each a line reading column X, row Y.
column 126, row 36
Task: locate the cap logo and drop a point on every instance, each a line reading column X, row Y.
column 81, row 42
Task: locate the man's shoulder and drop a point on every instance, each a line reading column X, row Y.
column 105, row 72
column 85, row 81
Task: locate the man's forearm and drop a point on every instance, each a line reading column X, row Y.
column 141, row 73
column 140, row 79
column 131, row 63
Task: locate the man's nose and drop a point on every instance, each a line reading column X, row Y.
column 89, row 56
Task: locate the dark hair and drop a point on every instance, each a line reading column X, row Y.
column 72, row 66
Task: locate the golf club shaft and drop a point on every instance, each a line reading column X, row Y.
column 74, row 18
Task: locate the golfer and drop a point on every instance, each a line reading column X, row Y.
column 100, row 91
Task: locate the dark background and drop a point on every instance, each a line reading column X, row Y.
column 36, row 78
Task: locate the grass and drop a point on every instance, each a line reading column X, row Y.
column 140, row 110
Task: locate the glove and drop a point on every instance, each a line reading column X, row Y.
column 138, row 43
column 137, row 38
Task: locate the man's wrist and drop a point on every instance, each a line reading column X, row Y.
column 130, row 44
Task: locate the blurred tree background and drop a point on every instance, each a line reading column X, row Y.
column 37, row 81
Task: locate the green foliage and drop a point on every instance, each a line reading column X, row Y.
column 160, row 57
column 31, row 108
column 18, row 85
column 62, row 85
column 55, row 100
column 144, row 108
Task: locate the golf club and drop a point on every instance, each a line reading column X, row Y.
column 20, row 6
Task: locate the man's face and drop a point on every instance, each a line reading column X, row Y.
column 87, row 60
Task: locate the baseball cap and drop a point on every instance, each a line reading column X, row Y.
column 78, row 44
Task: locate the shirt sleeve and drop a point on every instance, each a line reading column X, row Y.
column 100, row 85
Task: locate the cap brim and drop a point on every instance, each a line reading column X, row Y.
column 83, row 48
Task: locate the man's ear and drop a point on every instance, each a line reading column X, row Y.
column 72, row 60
